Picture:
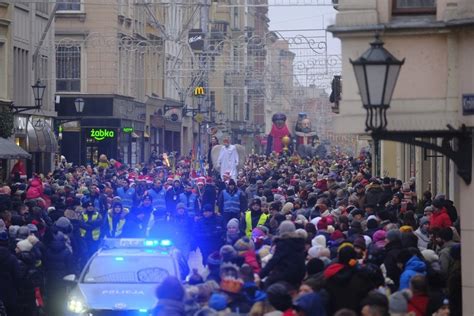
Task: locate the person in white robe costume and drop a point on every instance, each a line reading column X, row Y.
column 228, row 160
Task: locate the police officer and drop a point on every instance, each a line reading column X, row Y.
column 253, row 217
column 90, row 225
column 158, row 193
column 127, row 194
column 232, row 202
column 116, row 219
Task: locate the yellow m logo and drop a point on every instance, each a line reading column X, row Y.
column 199, row 91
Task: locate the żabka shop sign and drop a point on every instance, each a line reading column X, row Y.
column 100, row 134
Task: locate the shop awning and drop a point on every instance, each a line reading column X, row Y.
column 9, row 150
column 41, row 137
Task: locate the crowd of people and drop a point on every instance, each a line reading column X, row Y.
column 286, row 237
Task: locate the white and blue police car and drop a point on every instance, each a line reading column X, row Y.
column 121, row 278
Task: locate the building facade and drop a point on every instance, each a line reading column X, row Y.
column 436, row 39
column 26, row 56
column 101, row 52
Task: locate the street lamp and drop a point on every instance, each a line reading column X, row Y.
column 79, row 105
column 38, row 92
column 376, row 73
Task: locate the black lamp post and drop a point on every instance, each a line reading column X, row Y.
column 376, row 72
column 38, row 93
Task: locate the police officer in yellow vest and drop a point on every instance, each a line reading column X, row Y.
column 90, row 225
column 116, row 221
column 253, row 217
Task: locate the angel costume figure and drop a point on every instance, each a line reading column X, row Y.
column 228, row 160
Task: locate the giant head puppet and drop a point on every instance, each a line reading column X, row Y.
column 279, row 130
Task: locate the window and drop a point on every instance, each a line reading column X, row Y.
column 247, row 111
column 69, row 5
column 21, row 79
column 68, row 68
column 414, row 6
column 235, row 101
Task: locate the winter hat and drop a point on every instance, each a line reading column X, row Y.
column 319, row 240
column 301, row 219
column 330, row 229
column 424, row 220
column 314, row 265
column 24, row 245
column 23, row 232
column 398, row 302
column 372, row 223
column 180, row 206
column 170, row 289
column 264, row 251
column 32, row 227
column 244, row 244
column 13, row 231
column 310, row 304
column 301, row 233
column 393, row 235
column 227, row 253
column 337, row 235
column 214, row 259
column 286, row 227
column 379, row 235
column 429, row 255
column 406, row 229
column 347, row 256
column 257, row 233
column 279, row 296
column 33, row 239
column 233, row 222
column 314, row 251
column 315, row 221
column 359, row 242
column 287, row 208
column 63, row 223
column 218, row 301
column 322, row 224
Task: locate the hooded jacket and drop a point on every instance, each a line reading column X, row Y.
column 288, row 261
column 413, row 267
column 58, row 260
column 440, row 219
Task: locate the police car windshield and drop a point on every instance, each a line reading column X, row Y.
column 129, row 269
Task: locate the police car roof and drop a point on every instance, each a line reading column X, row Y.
column 133, row 252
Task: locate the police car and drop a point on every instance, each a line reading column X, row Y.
column 121, row 278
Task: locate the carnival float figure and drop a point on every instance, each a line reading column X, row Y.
column 279, row 139
column 307, row 140
column 228, row 159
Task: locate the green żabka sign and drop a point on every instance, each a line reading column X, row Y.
column 101, row 134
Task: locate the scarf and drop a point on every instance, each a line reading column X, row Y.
column 278, row 134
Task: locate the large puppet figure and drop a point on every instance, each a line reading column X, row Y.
column 279, row 130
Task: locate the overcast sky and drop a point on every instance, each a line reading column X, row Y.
column 304, row 17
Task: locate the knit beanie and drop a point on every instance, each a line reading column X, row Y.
column 170, row 289
column 286, row 227
column 424, row 220
column 393, row 235
column 214, row 259
column 398, row 302
column 24, row 245
column 429, row 255
column 23, row 232
column 234, row 222
column 218, row 301
column 319, row 240
column 322, row 224
column 13, row 231
column 300, row 232
column 227, row 253
column 244, row 244
column 379, row 235
column 63, row 223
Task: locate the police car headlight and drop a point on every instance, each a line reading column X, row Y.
column 76, row 305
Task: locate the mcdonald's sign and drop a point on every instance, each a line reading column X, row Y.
column 198, row 91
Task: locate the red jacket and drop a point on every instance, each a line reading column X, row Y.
column 418, row 304
column 440, row 219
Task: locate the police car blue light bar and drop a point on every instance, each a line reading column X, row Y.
column 136, row 243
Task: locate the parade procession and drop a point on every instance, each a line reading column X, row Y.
column 236, row 157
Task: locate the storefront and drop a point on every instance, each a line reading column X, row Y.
column 110, row 126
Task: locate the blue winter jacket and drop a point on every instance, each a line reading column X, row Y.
column 413, row 267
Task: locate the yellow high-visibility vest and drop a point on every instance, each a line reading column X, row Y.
column 248, row 222
column 96, row 231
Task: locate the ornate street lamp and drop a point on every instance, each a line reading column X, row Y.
column 38, row 93
column 376, row 73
